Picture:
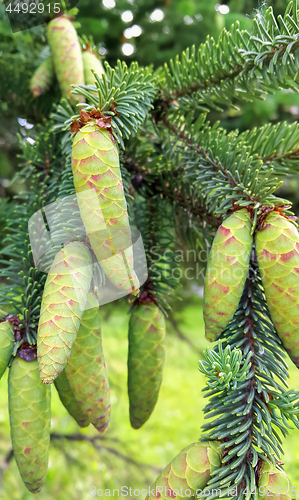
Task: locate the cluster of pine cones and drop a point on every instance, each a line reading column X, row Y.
column 69, row 345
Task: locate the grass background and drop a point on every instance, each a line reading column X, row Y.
column 176, row 422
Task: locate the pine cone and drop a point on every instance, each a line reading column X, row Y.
column 91, row 62
column 42, row 78
column 66, row 56
column 86, row 371
column 67, row 397
column 277, row 250
column 62, row 308
column 145, row 361
column 6, row 345
column 226, row 272
column 30, row 417
column 102, row 203
column 273, row 482
column 188, row 472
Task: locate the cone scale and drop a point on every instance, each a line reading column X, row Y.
column 62, row 308
column 277, row 250
column 189, row 471
column 30, row 418
column 273, row 482
column 226, row 272
column 102, row 204
column 145, row 361
column 86, row 371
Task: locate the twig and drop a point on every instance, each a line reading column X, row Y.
column 93, row 440
column 9, row 456
column 220, row 78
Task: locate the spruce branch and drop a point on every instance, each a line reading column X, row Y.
column 239, row 66
column 125, row 94
column 159, row 242
column 260, row 405
column 276, row 145
column 221, row 167
column 23, row 283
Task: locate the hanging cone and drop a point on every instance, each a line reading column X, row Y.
column 86, row 370
column 145, row 361
column 42, row 78
column 188, row 472
column 30, row 418
column 226, row 272
column 102, row 204
column 66, row 56
column 91, row 62
column 62, row 308
column 277, row 251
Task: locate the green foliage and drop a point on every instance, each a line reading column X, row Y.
column 225, row 368
column 240, row 65
column 182, row 175
column 261, row 405
column 130, row 91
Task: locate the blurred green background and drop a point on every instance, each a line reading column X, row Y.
column 150, row 32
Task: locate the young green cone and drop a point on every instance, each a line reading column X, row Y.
column 226, row 272
column 67, row 397
column 62, row 308
column 66, row 56
column 91, row 62
column 86, row 370
column 188, row 472
column 102, row 204
column 42, row 78
column 274, row 482
column 277, row 250
column 30, row 417
column 145, row 361
column 6, row 345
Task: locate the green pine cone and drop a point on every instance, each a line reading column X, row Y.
column 30, row 418
column 226, row 272
column 277, row 250
column 102, row 204
column 66, row 56
column 62, row 308
column 273, row 482
column 91, row 62
column 67, row 397
column 6, row 345
column 42, row 78
column 188, row 472
column 86, row 370
column 145, row 361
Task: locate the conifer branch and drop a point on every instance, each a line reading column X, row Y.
column 240, row 65
column 256, row 402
